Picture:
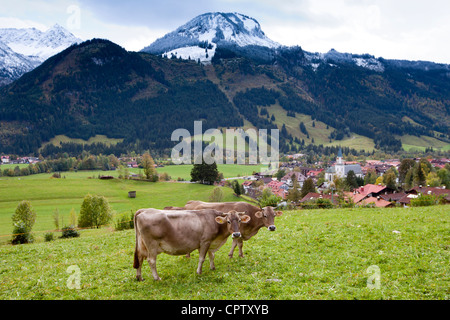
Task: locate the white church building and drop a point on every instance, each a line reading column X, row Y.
column 341, row 169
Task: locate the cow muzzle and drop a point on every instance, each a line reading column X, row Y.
column 272, row 228
column 236, row 235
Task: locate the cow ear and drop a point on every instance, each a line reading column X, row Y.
column 259, row 214
column 221, row 220
column 245, row 218
column 278, row 213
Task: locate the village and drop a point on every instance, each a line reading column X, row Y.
column 328, row 187
column 368, row 183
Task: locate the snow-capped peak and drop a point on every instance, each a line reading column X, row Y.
column 21, row 50
column 211, row 30
column 37, row 43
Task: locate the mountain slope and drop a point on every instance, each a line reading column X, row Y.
column 28, row 48
column 209, row 31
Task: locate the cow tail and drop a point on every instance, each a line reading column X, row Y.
column 136, row 257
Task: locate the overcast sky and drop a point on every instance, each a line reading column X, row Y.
column 392, row 29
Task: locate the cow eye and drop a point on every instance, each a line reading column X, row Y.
column 228, row 222
column 240, row 220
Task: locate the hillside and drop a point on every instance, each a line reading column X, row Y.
column 98, row 88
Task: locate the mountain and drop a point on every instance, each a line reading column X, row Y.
column 199, row 38
column 28, row 48
column 98, row 88
column 12, row 64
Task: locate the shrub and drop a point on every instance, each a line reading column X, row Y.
column 95, row 211
column 216, row 195
column 21, row 234
column 69, row 232
column 23, row 220
column 49, row 237
column 125, row 222
column 424, row 200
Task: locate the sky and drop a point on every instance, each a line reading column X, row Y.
column 392, row 29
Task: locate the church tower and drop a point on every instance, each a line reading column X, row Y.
column 340, row 166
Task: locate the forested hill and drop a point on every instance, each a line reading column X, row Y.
column 98, row 87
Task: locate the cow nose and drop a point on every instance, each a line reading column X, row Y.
column 272, row 228
column 236, row 235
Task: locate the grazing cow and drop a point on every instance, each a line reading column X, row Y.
column 180, row 232
column 258, row 218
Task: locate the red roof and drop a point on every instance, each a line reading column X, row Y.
column 370, row 188
column 379, row 202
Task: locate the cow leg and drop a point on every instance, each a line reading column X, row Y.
column 139, row 269
column 202, row 254
column 211, row 260
column 152, row 262
column 240, row 245
column 233, row 246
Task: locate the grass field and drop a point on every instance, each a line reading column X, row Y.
column 313, row 254
column 48, row 194
column 319, row 132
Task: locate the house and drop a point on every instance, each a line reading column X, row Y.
column 377, row 201
column 278, row 188
column 294, row 175
column 5, row 159
column 313, row 196
column 341, row 169
column 373, row 190
column 247, row 185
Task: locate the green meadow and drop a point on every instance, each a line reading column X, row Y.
column 48, row 194
column 359, row 253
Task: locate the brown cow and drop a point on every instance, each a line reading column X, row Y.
column 180, row 232
column 258, row 218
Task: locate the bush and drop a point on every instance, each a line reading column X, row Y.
column 69, row 232
column 49, row 237
column 268, row 199
column 95, row 212
column 21, row 234
column 23, row 221
column 216, row 195
column 424, row 200
column 125, row 222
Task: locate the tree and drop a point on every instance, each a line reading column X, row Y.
column 308, row 186
column 444, row 176
column 268, row 199
column 405, row 166
column 370, row 177
column 205, row 173
column 216, row 195
column 148, row 165
column 237, row 188
column 351, row 181
column 294, row 194
column 389, row 179
column 95, row 212
column 23, row 220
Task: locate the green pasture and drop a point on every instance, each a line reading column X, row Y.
column 48, row 194
column 313, row 254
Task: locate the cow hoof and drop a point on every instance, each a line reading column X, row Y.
column 157, row 279
column 230, row 256
column 139, row 278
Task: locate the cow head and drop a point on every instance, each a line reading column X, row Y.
column 233, row 219
column 268, row 214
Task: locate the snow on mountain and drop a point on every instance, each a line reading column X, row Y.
column 366, row 61
column 13, row 65
column 36, row 43
column 211, row 29
column 22, row 50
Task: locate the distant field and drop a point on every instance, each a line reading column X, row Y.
column 229, row 171
column 344, row 254
column 319, row 132
column 410, row 143
column 98, row 138
column 47, row 194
